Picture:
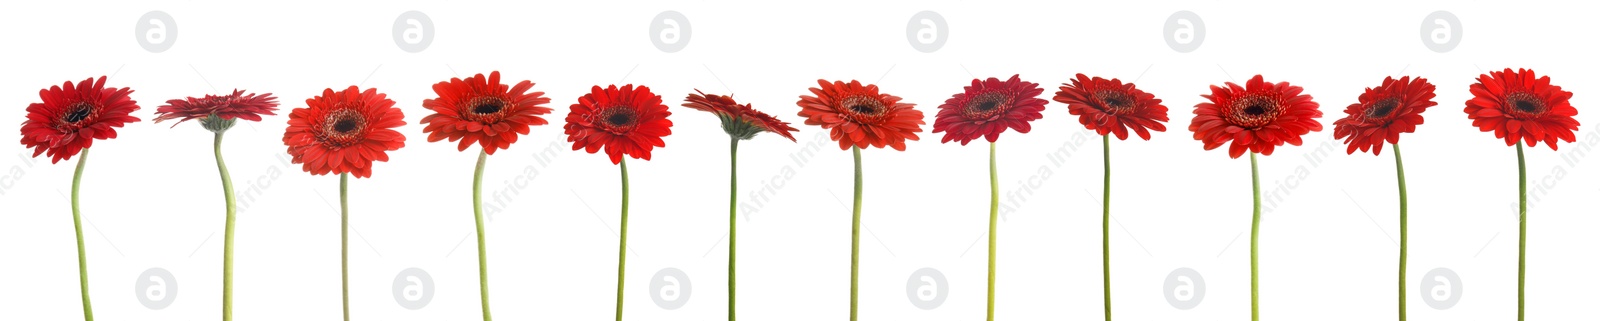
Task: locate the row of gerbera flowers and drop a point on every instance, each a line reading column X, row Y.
column 343, row 132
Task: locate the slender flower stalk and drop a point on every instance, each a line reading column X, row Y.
column 77, row 225
column 227, row 231
column 994, row 222
column 733, row 217
column 855, row 236
column 622, row 242
column 1522, row 229
column 1255, row 233
column 483, row 247
column 344, row 241
column 1105, row 225
column 1400, row 174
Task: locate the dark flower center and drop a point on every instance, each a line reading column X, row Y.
column 1254, row 111
column 342, row 128
column 1115, row 102
column 78, row 112
column 863, row 106
column 985, row 106
column 1383, row 108
column 1525, row 104
column 618, row 118
column 488, row 106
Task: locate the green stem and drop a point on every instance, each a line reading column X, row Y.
column 1255, row 232
column 344, row 239
column 1522, row 230
column 622, row 244
column 477, row 213
column 83, row 261
column 1105, row 225
column 994, row 215
column 855, row 236
column 227, row 231
column 733, row 216
column 1400, row 172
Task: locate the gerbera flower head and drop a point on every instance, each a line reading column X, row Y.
column 860, row 116
column 987, row 108
column 73, row 116
column 1383, row 113
column 1112, row 107
column 1256, row 117
column 622, row 121
column 218, row 113
column 739, row 121
column 484, row 111
column 1520, row 106
column 344, row 131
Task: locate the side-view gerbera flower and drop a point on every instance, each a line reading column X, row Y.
column 985, row 109
column 1382, row 114
column 68, row 120
column 342, row 133
column 217, row 114
column 483, row 110
column 1522, row 107
column 622, row 121
column 1110, row 107
column 858, row 116
column 1256, row 117
column 740, row 122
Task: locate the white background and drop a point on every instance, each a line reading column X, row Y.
column 1327, row 248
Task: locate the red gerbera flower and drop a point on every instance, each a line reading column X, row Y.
column 623, row 120
column 483, row 111
column 1521, row 106
column 987, row 108
column 73, row 116
column 1383, row 113
column 1112, row 107
column 343, row 132
column 227, row 107
column 860, row 116
column 1256, row 117
column 739, row 121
